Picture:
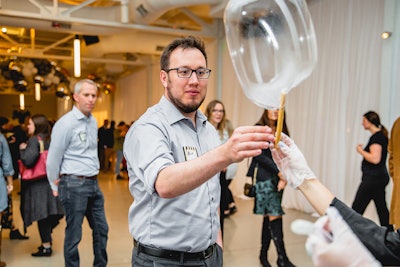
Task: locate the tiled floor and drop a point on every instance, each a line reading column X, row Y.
column 242, row 235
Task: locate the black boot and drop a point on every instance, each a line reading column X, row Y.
column 265, row 241
column 277, row 235
column 43, row 252
column 15, row 234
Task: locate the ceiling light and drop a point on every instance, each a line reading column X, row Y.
column 386, row 35
column 37, row 91
column 21, row 101
column 77, row 57
column 38, row 81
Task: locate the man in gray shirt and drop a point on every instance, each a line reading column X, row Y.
column 72, row 168
column 174, row 158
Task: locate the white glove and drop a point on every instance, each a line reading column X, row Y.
column 291, row 162
column 332, row 243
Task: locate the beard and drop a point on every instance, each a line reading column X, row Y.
column 184, row 108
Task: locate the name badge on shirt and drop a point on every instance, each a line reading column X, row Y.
column 82, row 136
column 190, row 152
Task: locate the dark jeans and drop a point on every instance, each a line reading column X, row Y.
column 83, row 198
column 373, row 189
column 144, row 260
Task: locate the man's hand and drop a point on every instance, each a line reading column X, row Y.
column 247, row 141
column 56, row 182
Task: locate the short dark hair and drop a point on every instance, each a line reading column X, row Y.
column 184, row 43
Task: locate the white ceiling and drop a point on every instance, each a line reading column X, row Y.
column 130, row 32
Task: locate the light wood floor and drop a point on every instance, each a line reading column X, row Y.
column 241, row 244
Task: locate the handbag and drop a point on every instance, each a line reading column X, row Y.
column 250, row 188
column 39, row 170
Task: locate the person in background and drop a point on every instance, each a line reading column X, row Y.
column 215, row 113
column 375, row 176
column 230, row 175
column 7, row 221
column 16, row 134
column 394, row 170
column 344, row 237
column 102, row 136
column 72, row 169
column 119, row 137
column 268, row 199
column 109, row 148
column 37, row 201
column 174, row 157
column 6, row 180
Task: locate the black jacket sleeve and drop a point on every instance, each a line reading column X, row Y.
column 30, row 155
column 382, row 243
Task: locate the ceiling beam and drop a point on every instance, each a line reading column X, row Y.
column 66, row 39
column 83, row 59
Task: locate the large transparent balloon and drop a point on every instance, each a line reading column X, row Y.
column 272, row 45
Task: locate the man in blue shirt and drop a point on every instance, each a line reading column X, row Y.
column 6, row 171
column 72, row 168
column 174, row 158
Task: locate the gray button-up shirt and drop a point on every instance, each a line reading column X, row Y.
column 73, row 147
column 160, row 138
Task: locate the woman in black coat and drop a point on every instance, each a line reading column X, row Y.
column 37, row 200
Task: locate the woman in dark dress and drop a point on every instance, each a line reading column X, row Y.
column 37, row 200
column 269, row 190
column 375, row 176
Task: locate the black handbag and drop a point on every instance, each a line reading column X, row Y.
column 250, row 188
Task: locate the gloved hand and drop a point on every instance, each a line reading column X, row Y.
column 332, row 243
column 291, row 162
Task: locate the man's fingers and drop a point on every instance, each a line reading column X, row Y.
column 253, row 129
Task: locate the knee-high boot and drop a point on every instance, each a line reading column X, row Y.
column 277, row 236
column 265, row 242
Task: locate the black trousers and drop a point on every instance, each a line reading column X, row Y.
column 46, row 227
column 223, row 204
column 373, row 189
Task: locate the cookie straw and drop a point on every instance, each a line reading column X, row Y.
column 280, row 120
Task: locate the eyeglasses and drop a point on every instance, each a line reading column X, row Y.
column 201, row 73
column 218, row 110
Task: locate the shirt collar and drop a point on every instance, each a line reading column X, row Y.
column 173, row 114
column 78, row 114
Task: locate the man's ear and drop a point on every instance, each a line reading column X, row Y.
column 164, row 78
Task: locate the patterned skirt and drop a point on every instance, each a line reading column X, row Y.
column 268, row 200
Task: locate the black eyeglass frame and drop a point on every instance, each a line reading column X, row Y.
column 207, row 72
